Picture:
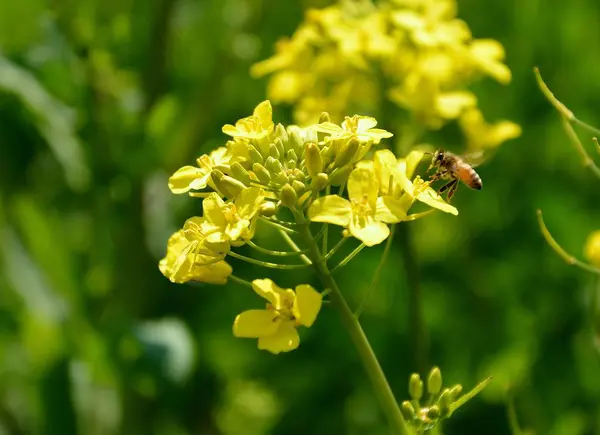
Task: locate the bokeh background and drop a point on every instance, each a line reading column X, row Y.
column 100, row 101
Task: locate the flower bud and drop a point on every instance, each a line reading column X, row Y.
column 319, row 182
column 295, row 142
column 298, row 186
column 444, row 402
column 280, row 148
column 346, row 154
column 407, row 410
column 324, row 117
column 592, row 248
column 273, row 165
column 304, row 198
column 433, row 413
column 268, row 209
column 288, row 196
column 291, row 164
column 282, row 178
column 340, row 175
column 274, row 152
column 232, row 186
column 261, row 173
column 312, row 159
column 240, row 173
column 455, row 392
column 281, row 133
column 326, row 155
column 216, row 176
column 291, row 155
column 415, row 387
column 255, row 156
column 434, row 381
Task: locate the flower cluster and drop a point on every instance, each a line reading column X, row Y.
column 265, row 168
column 416, row 53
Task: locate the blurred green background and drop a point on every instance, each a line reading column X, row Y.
column 100, row 101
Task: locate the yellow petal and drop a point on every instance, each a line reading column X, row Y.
column 390, row 210
column 213, row 210
column 432, row 199
column 368, row 230
column 216, row 273
column 384, row 161
column 256, row 323
column 270, row 291
column 451, row 104
column 180, row 181
column 307, row 304
column 363, row 184
column 332, row 209
column 412, row 161
column 264, row 112
column 365, row 123
column 283, row 340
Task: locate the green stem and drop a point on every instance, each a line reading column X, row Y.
column 266, row 263
column 274, row 253
column 293, row 245
column 375, row 281
column 239, row 280
column 334, row 249
column 357, row 335
column 348, row 258
column 278, row 225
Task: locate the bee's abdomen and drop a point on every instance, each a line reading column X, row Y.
column 471, row 178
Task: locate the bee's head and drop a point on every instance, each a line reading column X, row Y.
column 437, row 159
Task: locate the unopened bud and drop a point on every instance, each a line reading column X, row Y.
column 291, row 164
column 297, row 174
column 281, row 133
column 291, row 155
column 312, row 159
column 324, row 117
column 298, row 186
column 288, row 196
column 346, row 154
column 592, row 248
column 255, row 156
column 326, row 155
column 295, row 141
column 444, row 402
column 261, row 173
column 273, row 165
column 268, row 209
column 274, row 152
column 434, row 381
column 319, row 182
column 304, row 198
column 232, row 186
column 407, row 410
column 216, row 176
column 280, row 148
column 340, row 175
column 415, row 386
column 433, row 413
column 455, row 392
column 240, row 173
column 282, row 178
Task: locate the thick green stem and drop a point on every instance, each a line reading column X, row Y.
column 352, row 325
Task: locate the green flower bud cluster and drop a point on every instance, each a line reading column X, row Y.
column 424, row 411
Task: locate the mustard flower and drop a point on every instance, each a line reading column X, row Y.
column 233, row 221
column 592, row 248
column 275, row 327
column 364, row 214
column 361, row 127
column 187, row 261
column 257, row 126
column 481, row 135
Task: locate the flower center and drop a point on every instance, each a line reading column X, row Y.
column 361, row 207
column 231, row 214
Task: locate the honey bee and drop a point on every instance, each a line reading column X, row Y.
column 454, row 168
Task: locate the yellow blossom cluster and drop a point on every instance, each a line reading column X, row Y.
column 265, row 168
column 416, row 53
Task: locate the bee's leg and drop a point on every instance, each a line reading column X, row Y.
column 437, row 176
column 450, row 187
column 452, row 190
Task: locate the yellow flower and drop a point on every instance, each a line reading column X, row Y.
column 257, row 126
column 364, row 214
column 418, row 190
column 275, row 327
column 196, row 178
column 233, row 222
column 592, row 248
column 481, row 135
column 357, row 126
column 488, row 55
column 187, row 261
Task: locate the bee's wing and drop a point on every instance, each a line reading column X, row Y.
column 476, row 158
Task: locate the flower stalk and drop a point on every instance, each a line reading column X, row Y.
column 353, row 328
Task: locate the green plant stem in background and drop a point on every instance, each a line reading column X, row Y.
column 416, row 323
column 569, row 118
column 351, row 324
column 569, row 259
column 513, row 422
column 266, row 263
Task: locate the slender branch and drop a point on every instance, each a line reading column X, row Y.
column 377, row 275
column 293, row 245
column 241, row 281
column 356, row 333
column 468, row 396
column 568, row 258
column 348, row 258
column 569, row 118
column 274, row 253
column 266, row 263
column 513, row 422
column 325, row 227
column 335, row 248
column 595, row 139
column 278, row 225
